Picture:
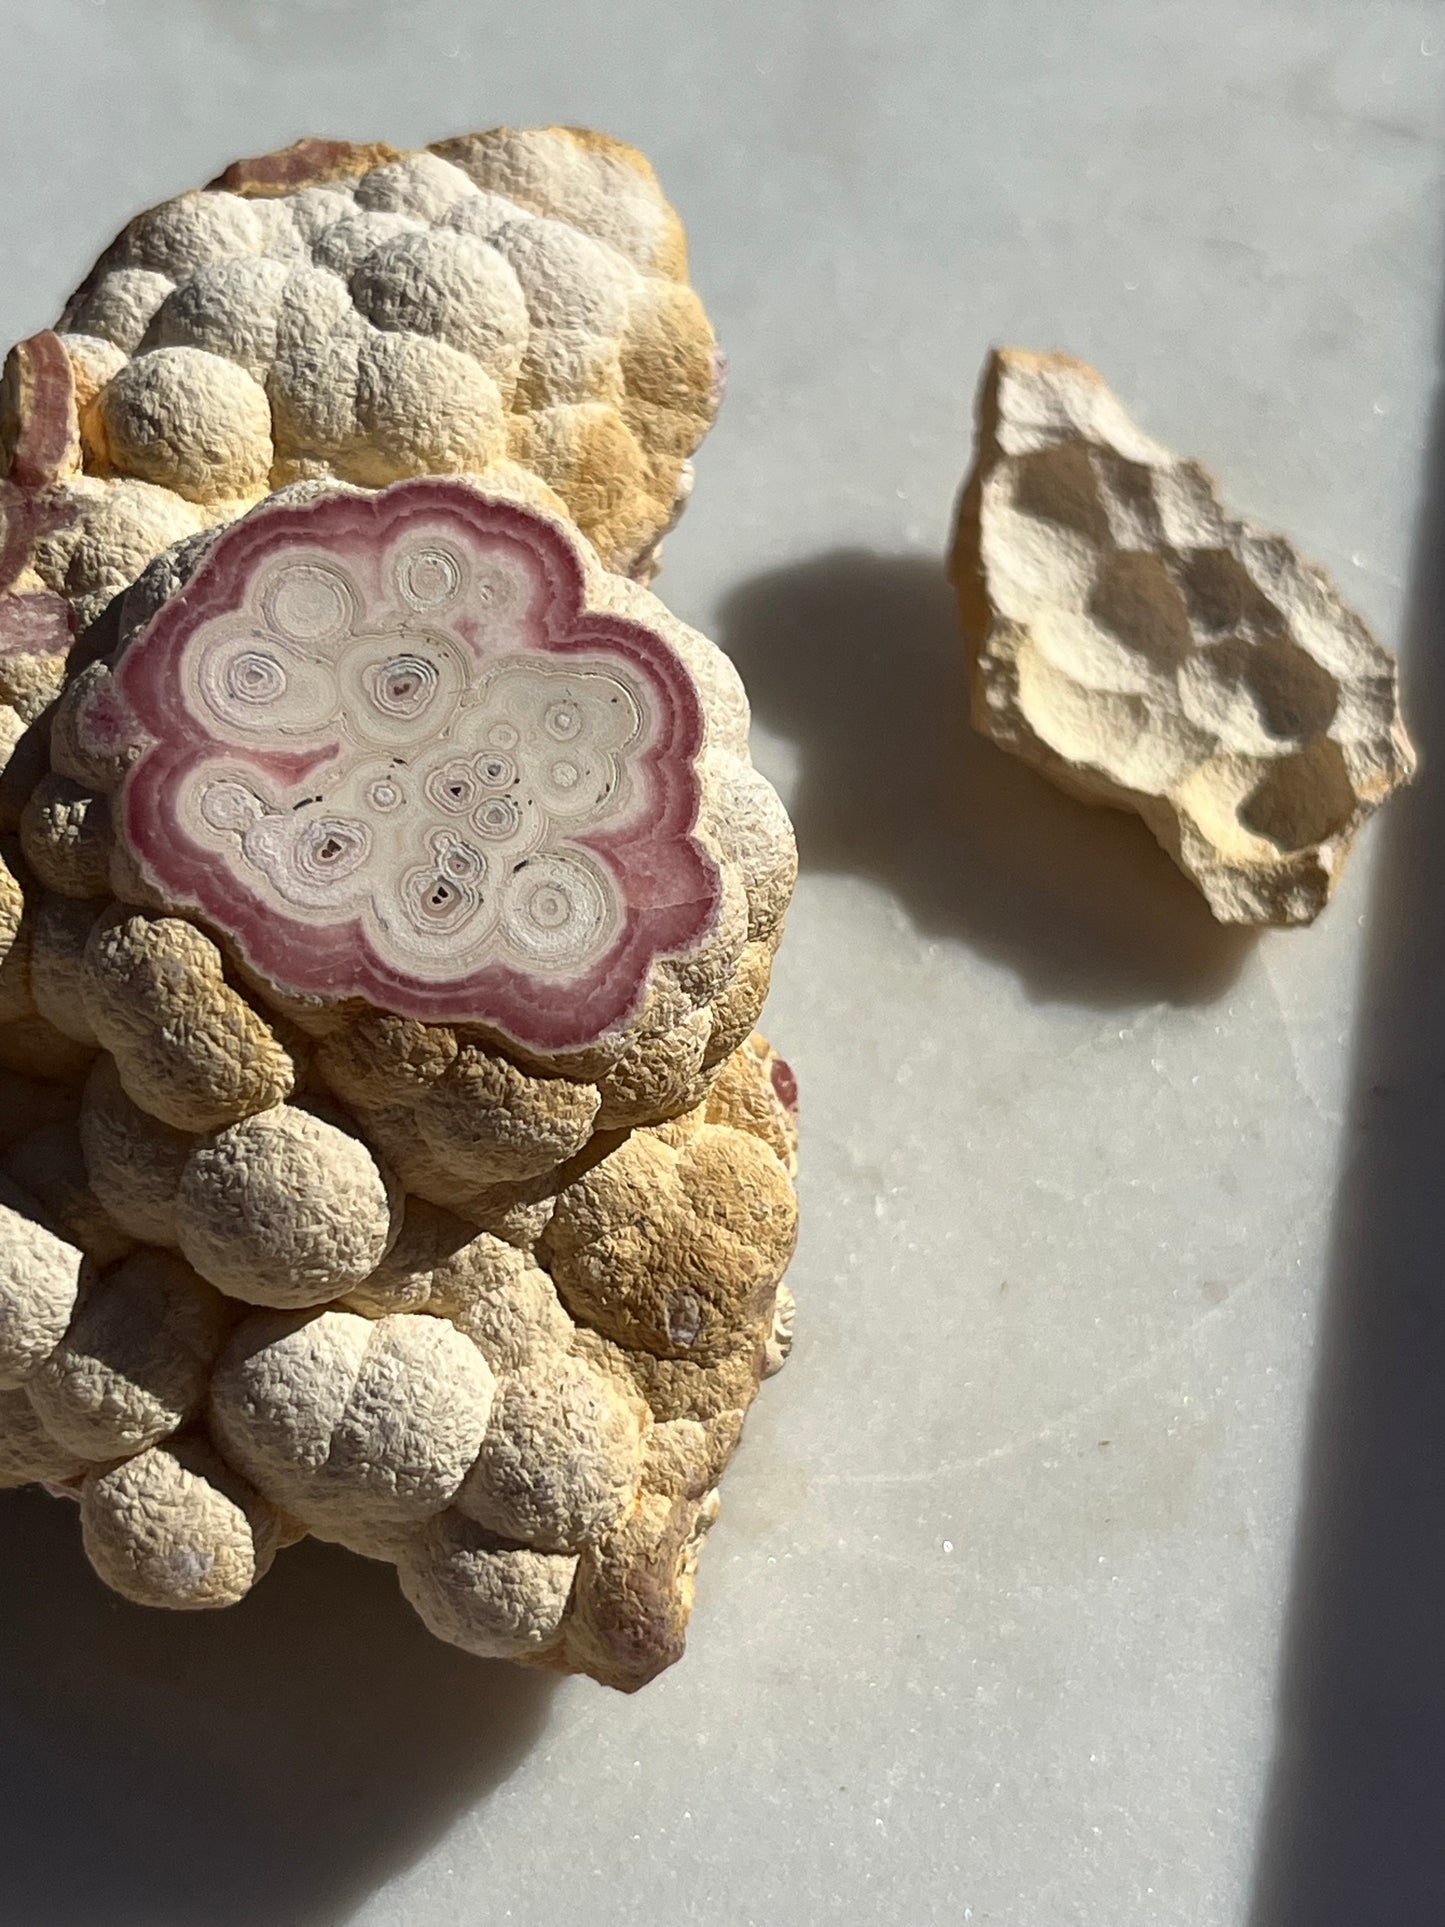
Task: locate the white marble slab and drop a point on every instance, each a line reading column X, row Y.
column 1005, row 1619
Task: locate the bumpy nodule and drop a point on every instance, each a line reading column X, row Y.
column 386, row 1152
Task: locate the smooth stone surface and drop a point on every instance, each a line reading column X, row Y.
column 1006, row 1617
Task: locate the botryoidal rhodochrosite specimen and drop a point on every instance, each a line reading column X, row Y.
column 386, row 905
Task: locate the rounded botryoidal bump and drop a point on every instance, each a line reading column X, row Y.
column 40, row 1279
column 231, row 308
column 85, row 743
column 66, row 836
column 736, row 1008
column 176, row 1527
column 673, row 1250
column 430, row 1238
column 422, row 408
column 634, row 1591
column 353, row 1424
column 449, row 286
column 133, row 1366
column 661, row 1072
column 93, row 361
column 504, row 1302
column 383, row 1060
column 118, row 309
column 189, row 421
column 476, row 1591
column 133, row 1161
column 751, row 821
column 106, row 533
column 562, row 1457
column 756, row 1091
column 48, row 1164
column 284, row 1209
column 189, row 1048
column 61, row 929
column 28, row 1454
column 491, row 1123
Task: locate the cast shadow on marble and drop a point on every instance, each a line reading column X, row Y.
column 271, row 1763
column 1354, row 1825
column 857, row 658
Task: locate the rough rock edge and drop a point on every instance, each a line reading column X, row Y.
column 1243, row 886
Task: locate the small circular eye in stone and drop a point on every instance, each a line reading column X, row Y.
column 403, row 686
column 436, row 903
column 331, row 847
column 308, row 603
column 428, row 578
column 498, row 818
column 496, row 772
column 229, row 806
column 503, row 736
column 453, row 787
column 563, row 721
column 565, row 775
column 556, row 912
column 460, row 863
column 548, row 907
column 385, row 795
column 254, row 678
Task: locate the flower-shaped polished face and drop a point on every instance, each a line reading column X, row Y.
column 389, row 752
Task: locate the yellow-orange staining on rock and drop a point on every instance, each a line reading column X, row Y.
column 386, row 898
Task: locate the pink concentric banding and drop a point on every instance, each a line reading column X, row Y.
column 668, row 884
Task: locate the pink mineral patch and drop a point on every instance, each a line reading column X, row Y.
column 35, row 625
column 384, row 747
column 304, row 161
column 40, row 392
column 785, row 1084
column 25, row 515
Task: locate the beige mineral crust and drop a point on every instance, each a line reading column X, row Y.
column 500, row 302
column 387, row 899
column 1142, row 647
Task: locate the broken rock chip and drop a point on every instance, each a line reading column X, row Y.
column 1142, row 647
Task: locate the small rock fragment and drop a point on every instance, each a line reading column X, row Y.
column 1142, row 647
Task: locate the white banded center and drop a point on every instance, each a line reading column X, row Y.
column 456, row 771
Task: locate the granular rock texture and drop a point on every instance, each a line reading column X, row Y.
column 387, row 899
column 531, row 1428
column 495, row 301
column 1142, row 647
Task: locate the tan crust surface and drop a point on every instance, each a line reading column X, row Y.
column 1143, row 647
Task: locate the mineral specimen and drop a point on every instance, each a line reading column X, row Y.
column 1143, row 648
column 386, row 901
